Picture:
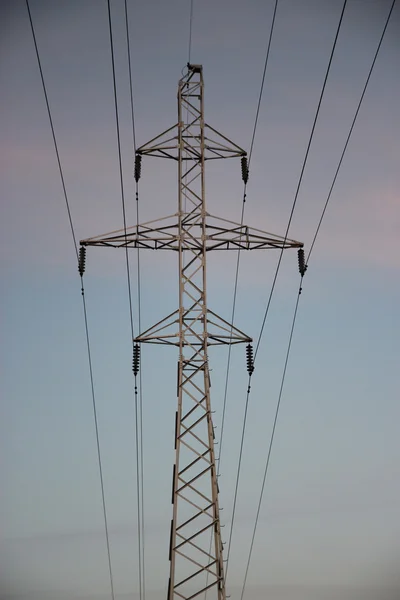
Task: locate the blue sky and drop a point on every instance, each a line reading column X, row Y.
column 329, row 525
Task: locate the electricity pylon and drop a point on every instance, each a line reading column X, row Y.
column 196, row 566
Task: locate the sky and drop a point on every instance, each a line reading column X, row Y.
column 329, row 525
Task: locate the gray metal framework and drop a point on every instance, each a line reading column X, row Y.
column 195, row 565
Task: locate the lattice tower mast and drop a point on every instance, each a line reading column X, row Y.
column 196, row 566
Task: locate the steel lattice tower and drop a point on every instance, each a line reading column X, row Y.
column 195, row 564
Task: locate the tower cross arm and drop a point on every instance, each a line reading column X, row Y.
column 216, row 145
column 220, row 234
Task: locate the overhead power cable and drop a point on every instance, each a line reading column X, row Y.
column 52, row 131
column 351, row 129
column 301, row 176
column 273, row 432
column 298, row 298
column 84, row 309
column 271, row 31
column 128, row 44
column 235, row 296
column 139, row 303
column 235, row 288
column 277, row 271
column 97, row 440
column 138, row 432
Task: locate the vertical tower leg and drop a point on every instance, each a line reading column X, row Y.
column 193, row 566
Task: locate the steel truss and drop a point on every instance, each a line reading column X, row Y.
column 195, row 565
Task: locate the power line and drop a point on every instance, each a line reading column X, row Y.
column 97, row 440
column 301, row 177
column 52, row 129
column 137, row 417
column 139, row 295
column 298, row 298
column 84, row 310
column 235, row 295
column 272, row 434
column 237, row 477
column 351, row 130
column 242, row 212
column 263, row 80
column 130, row 76
column 279, row 263
column 241, row 223
column 233, row 312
